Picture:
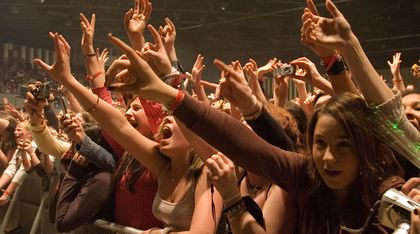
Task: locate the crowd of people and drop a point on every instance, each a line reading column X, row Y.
column 164, row 158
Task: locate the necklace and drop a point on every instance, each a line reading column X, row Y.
column 172, row 197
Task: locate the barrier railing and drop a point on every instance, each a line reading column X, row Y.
column 10, row 209
column 116, row 227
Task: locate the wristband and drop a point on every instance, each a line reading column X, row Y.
column 337, row 67
column 252, row 112
column 174, row 104
column 94, row 76
column 166, row 230
column 176, row 64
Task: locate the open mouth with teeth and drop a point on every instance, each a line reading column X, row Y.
column 166, row 132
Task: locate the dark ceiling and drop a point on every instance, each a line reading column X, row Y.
column 227, row 29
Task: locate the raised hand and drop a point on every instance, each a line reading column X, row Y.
column 309, row 73
column 253, row 74
column 168, row 34
column 102, row 58
column 14, row 112
column 60, row 71
column 88, row 29
column 269, row 67
column 319, row 50
column 197, row 69
column 233, row 85
column 333, row 33
column 135, row 21
column 395, row 65
column 222, row 172
column 145, row 82
column 156, row 54
column 35, row 109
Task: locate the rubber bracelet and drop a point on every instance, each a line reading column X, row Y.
column 94, row 76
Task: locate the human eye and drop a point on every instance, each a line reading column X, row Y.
column 344, row 144
column 319, row 143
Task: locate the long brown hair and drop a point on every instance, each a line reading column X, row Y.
column 376, row 159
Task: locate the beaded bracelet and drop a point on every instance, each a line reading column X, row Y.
column 94, row 106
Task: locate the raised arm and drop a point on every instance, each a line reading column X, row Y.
column 135, row 22
column 331, row 59
column 109, row 118
column 394, row 66
column 335, row 33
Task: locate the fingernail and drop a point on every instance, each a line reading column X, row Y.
column 416, row 211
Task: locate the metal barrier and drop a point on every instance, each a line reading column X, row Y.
column 10, row 209
column 39, row 213
column 116, row 227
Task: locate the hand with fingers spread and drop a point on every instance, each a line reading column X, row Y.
column 333, row 33
column 60, row 71
column 102, row 58
column 135, row 22
column 321, row 51
column 395, row 65
column 14, row 112
column 222, row 171
column 145, row 82
column 88, row 29
column 197, row 69
column 168, row 34
column 156, row 54
column 195, row 77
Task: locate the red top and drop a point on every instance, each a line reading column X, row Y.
column 135, row 209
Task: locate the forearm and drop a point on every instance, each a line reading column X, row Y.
column 199, row 90
column 302, row 93
column 4, row 180
column 245, row 223
column 268, row 129
column 137, row 40
column 47, row 143
column 3, row 159
column 281, row 93
column 242, row 145
column 342, row 83
column 324, row 85
column 12, row 188
column 73, row 103
column 374, row 90
column 96, row 154
column 398, row 83
column 256, row 90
